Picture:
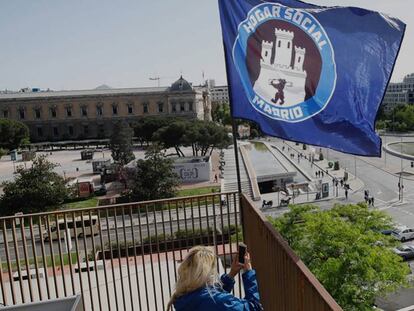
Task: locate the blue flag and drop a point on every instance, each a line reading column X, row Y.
column 310, row 74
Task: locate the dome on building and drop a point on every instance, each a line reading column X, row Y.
column 181, row 85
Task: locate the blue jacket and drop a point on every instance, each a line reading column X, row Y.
column 214, row 298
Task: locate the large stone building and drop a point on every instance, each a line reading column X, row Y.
column 399, row 93
column 90, row 114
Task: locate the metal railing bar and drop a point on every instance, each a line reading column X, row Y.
column 143, row 257
column 114, row 206
column 135, row 256
column 98, row 287
column 35, row 259
column 17, row 256
column 151, row 259
column 178, row 226
column 75, row 235
column 119, row 260
column 166, row 251
column 52, row 255
column 69, row 252
column 171, row 233
column 104, row 260
column 127, row 259
column 61, row 255
column 158, row 257
column 9, row 267
column 42, row 248
column 85, row 248
column 112, row 259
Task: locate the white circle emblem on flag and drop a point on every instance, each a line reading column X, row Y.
column 285, row 61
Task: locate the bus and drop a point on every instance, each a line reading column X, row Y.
column 90, row 225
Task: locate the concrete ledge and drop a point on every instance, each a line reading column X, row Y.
column 387, row 149
column 309, row 178
column 250, row 173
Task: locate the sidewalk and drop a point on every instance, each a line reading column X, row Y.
column 307, row 168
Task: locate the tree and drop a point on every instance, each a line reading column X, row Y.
column 36, row 189
column 153, row 178
column 172, row 135
column 121, row 143
column 145, row 128
column 221, row 114
column 345, row 250
column 13, row 134
column 204, row 136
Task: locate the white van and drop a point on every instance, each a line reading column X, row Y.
column 89, row 224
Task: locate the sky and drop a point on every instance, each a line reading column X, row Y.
column 80, row 44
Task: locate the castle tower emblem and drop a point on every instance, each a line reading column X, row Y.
column 282, row 81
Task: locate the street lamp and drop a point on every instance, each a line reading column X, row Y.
column 401, row 183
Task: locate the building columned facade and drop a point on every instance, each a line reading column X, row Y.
column 90, row 114
column 399, row 93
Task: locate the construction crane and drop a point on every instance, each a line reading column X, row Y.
column 158, row 79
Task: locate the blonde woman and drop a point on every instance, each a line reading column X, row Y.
column 199, row 288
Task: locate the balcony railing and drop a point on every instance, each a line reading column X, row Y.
column 125, row 257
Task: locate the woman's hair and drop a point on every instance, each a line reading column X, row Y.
column 197, row 270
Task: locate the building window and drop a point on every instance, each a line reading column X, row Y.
column 37, row 113
column 70, row 130
column 130, row 109
column 84, row 111
column 5, row 113
column 55, row 131
column 161, row 107
column 114, row 110
column 22, row 114
column 85, row 129
column 101, row 130
column 39, row 132
column 190, row 106
column 145, row 107
column 173, row 107
column 53, row 112
column 182, row 107
column 99, row 110
column 69, row 112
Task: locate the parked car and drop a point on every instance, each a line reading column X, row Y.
column 100, row 190
column 403, row 234
column 405, row 251
column 387, row 231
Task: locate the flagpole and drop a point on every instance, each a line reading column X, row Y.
column 235, row 146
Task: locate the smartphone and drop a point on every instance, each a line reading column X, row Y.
column 242, row 252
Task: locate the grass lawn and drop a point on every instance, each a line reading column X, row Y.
column 40, row 262
column 92, row 202
column 198, row 191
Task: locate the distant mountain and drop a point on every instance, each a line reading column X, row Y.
column 103, row 87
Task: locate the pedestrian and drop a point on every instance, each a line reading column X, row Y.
column 333, row 181
column 198, row 287
column 372, row 201
column 342, row 182
column 215, row 178
column 322, row 174
column 346, row 193
column 283, row 148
